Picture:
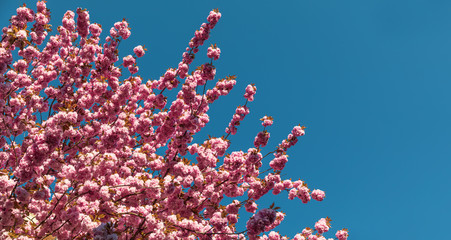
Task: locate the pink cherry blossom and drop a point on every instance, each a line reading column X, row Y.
column 322, row 225
column 250, row 92
column 93, row 150
column 213, row 52
column 318, row 195
column 259, row 221
column 139, row 51
column 342, row 234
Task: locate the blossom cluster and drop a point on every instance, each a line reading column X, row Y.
column 105, row 154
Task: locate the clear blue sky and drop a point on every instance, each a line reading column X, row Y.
column 370, row 80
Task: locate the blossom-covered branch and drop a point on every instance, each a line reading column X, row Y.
column 90, row 163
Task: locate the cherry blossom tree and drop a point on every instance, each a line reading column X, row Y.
column 92, row 151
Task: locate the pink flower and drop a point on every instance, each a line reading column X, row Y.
column 139, row 51
column 322, row 225
column 273, row 236
column 21, row 34
column 266, row 121
column 303, row 194
column 95, row 29
column 307, row 231
column 214, row 17
column 250, row 92
column 298, row 131
column 122, row 29
column 342, row 234
column 318, row 195
column 298, row 237
column 279, row 162
column 312, row 237
column 82, row 22
column 128, row 61
column 261, row 139
column 182, row 69
column 292, row 194
column 213, row 52
column 22, row 194
column 259, row 221
column 251, row 206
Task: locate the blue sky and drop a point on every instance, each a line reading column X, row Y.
column 370, row 80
